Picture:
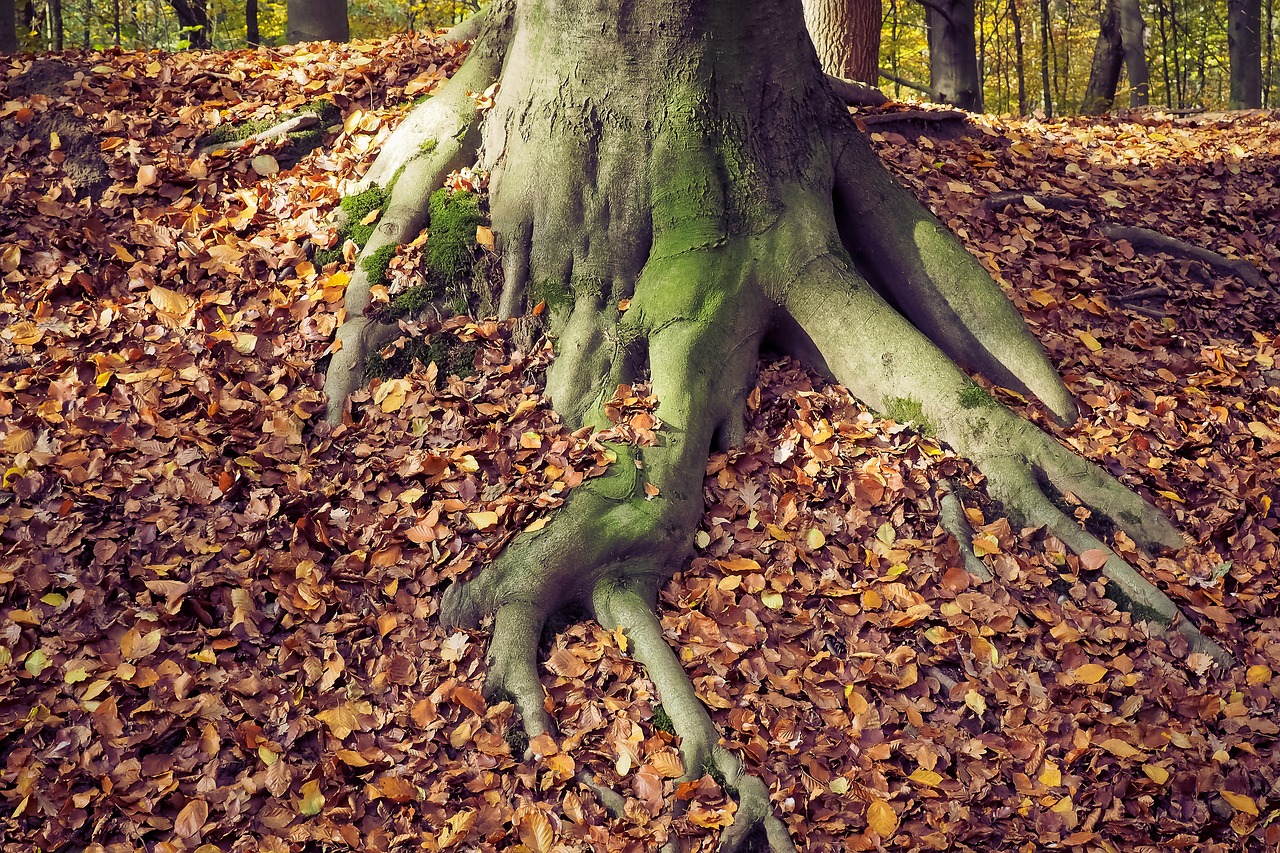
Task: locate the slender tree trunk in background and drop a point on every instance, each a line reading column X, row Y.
column 1244, row 45
column 8, row 26
column 55, row 24
column 193, row 16
column 88, row 23
column 846, row 34
column 115, row 22
column 1108, row 58
column 1045, row 46
column 318, row 20
column 1022, row 60
column 1161, row 14
column 1269, row 79
column 251, row 23
column 953, row 54
column 1132, row 30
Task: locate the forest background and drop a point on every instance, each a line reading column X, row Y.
column 1033, row 56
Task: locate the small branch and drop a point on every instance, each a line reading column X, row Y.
column 465, row 30
column 1156, row 292
column 856, row 94
column 287, row 126
column 914, row 115
column 902, row 81
column 996, row 201
column 1146, row 239
column 939, row 8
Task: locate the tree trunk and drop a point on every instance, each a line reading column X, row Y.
column 55, row 25
column 1021, row 54
column 8, row 26
column 846, row 34
column 953, row 54
column 1046, row 42
column 1133, row 43
column 251, row 23
column 193, row 18
column 318, row 20
column 1244, row 45
column 1108, row 59
column 701, row 189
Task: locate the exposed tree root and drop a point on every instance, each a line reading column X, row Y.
column 951, row 512
column 1153, row 241
column 905, row 83
column 284, row 128
column 904, row 116
column 856, row 94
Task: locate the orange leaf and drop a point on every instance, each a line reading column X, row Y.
column 1090, row 673
column 191, row 818
column 882, row 819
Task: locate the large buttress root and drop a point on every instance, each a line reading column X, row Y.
column 884, row 360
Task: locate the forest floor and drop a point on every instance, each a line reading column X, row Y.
column 217, row 615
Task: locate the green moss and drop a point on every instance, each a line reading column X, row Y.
column 552, row 291
column 662, row 721
column 451, row 239
column 428, row 146
column 413, row 300
column 356, row 208
column 518, row 741
column 375, row 265
column 975, row 395
column 907, row 410
column 452, row 357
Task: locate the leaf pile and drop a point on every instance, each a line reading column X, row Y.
column 217, row 615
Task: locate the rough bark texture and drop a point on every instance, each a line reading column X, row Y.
column 1244, row 44
column 193, row 16
column 1108, row 60
column 317, row 20
column 1133, row 43
column 251, row 23
column 953, row 54
column 707, row 179
column 846, row 34
column 8, row 26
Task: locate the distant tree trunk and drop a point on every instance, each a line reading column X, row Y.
column 318, row 20
column 115, row 22
column 1133, row 44
column 251, row 23
column 1244, row 45
column 55, row 24
column 1269, row 83
column 1108, row 59
column 8, row 26
column 88, row 24
column 1045, row 83
column 193, row 16
column 953, row 54
column 846, row 34
column 1022, row 60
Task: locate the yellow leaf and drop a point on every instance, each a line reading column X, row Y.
column 245, row 343
column 312, row 800
column 1258, row 674
column 456, row 829
column 391, row 394
column 1240, row 802
column 536, row 832
column 1170, row 495
column 1156, row 773
column 25, row 333
column 170, row 301
column 1090, row 673
column 10, row 258
column 1033, row 204
column 984, row 544
column 483, row 520
column 772, row 600
column 37, row 662
column 1088, row 340
column 484, row 236
column 975, row 702
column 926, row 777
column 740, row 564
column 881, row 818
column 667, row 764
column 1120, row 748
column 340, row 720
column 1051, row 775
column 53, row 599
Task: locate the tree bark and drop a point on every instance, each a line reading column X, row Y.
column 1108, row 59
column 846, row 34
column 1244, row 46
column 318, row 20
column 1046, row 42
column 8, row 26
column 953, row 54
column 55, row 25
column 251, row 36
column 193, row 17
column 1133, row 43
column 710, row 189
column 1016, row 18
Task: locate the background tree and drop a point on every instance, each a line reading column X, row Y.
column 193, row 18
column 846, row 34
column 670, row 188
column 1244, row 40
column 8, row 26
column 1133, row 44
column 318, row 20
column 953, row 54
column 1108, row 60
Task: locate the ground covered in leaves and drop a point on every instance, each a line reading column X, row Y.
column 217, row 615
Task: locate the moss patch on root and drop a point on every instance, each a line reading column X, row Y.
column 451, row 238
column 975, row 395
column 908, row 410
column 662, row 720
column 355, row 209
column 452, row 357
column 375, row 264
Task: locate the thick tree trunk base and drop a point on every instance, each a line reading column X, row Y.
column 666, row 234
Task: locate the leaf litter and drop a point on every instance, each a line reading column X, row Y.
column 217, row 615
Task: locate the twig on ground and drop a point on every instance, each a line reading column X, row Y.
column 287, row 126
